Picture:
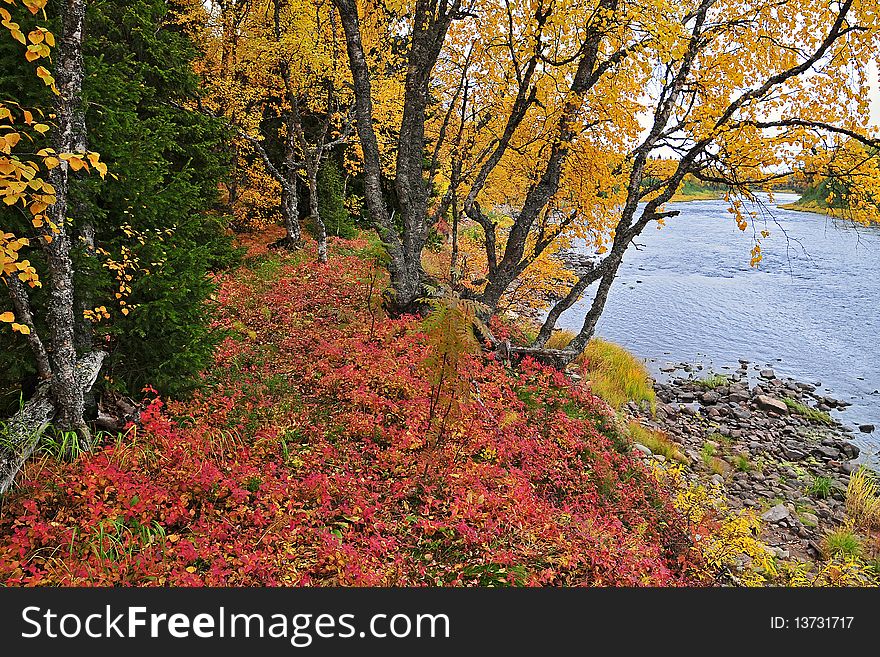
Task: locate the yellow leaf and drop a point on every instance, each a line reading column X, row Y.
column 7, row 317
column 21, row 328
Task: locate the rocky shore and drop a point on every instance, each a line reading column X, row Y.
column 769, row 444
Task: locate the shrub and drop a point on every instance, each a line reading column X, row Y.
column 331, row 202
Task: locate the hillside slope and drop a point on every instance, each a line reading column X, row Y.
column 306, row 460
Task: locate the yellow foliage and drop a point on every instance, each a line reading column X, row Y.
column 730, row 546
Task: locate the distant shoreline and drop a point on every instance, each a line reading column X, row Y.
column 708, row 195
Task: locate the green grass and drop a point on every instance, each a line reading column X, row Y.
column 742, row 463
column 813, row 414
column 655, row 440
column 715, row 464
column 820, row 487
column 713, row 381
column 842, row 543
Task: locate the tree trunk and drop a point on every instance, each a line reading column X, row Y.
column 68, row 137
column 20, row 301
column 429, row 26
column 24, row 429
column 454, row 274
column 290, row 214
column 577, row 345
column 320, row 228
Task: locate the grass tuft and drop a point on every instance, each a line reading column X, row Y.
column 813, row 414
column 862, row 501
column 655, row 440
column 842, row 542
column 713, row 381
column 820, row 487
column 617, row 376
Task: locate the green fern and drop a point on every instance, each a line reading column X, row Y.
column 452, row 327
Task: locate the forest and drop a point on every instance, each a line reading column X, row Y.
column 283, row 281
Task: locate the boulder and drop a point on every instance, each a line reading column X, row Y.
column 771, row 404
column 776, row 513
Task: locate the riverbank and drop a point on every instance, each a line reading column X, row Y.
column 703, row 195
column 810, row 206
column 768, row 447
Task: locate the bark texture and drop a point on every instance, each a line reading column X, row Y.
column 69, row 137
column 24, row 430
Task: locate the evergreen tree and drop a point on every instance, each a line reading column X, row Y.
column 155, row 216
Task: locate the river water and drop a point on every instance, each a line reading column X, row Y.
column 810, row 310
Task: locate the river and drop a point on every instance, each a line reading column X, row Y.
column 810, row 310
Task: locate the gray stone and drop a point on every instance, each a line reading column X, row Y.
column 831, row 453
column 718, row 479
column 709, row 397
column 866, row 428
column 776, row 513
column 768, row 374
column 641, row 448
column 792, row 454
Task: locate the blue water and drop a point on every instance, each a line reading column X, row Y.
column 810, row 310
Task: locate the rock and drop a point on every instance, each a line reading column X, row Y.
column 792, row 454
column 771, row 404
column 851, row 451
column 777, row 513
column 849, row 468
column 641, row 448
column 718, row 479
column 767, row 374
column 742, row 413
column 866, row 428
column 830, row 453
column 709, row 397
column 810, row 519
column 690, row 409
